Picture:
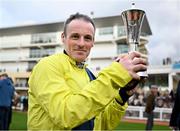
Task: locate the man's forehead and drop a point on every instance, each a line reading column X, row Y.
column 80, row 23
column 154, row 87
column 80, row 28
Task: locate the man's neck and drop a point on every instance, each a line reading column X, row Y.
column 78, row 64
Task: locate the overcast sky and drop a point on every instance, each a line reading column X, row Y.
column 163, row 17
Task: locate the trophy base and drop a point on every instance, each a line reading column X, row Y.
column 143, row 74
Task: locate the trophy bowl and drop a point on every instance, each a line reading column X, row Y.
column 133, row 19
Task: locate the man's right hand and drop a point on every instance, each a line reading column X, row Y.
column 133, row 62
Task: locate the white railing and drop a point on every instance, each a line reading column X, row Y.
column 137, row 112
column 134, row 112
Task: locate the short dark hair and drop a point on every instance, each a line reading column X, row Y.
column 4, row 75
column 78, row 16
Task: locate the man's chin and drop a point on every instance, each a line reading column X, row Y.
column 80, row 59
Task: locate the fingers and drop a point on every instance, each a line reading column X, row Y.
column 120, row 56
column 140, row 67
column 139, row 61
column 134, row 63
column 134, row 54
column 130, row 55
column 134, row 75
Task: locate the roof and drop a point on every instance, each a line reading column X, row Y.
column 58, row 26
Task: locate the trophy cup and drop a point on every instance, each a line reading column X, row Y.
column 133, row 19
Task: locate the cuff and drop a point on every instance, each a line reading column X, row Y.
column 123, row 97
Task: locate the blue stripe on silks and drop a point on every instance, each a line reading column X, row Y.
column 88, row 125
column 90, row 74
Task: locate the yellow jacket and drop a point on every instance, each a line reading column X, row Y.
column 61, row 95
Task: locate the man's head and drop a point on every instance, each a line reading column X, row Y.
column 78, row 36
column 154, row 89
column 3, row 76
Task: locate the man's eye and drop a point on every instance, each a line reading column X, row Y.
column 88, row 38
column 74, row 36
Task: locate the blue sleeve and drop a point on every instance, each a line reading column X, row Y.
column 1, row 81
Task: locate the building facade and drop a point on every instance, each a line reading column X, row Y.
column 22, row 47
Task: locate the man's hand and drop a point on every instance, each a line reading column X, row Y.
column 134, row 63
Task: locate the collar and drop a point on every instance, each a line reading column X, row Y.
column 80, row 65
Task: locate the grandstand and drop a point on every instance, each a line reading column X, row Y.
column 21, row 47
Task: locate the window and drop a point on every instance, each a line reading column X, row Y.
column 106, row 31
column 31, row 64
column 43, row 38
column 157, row 79
column 121, row 31
column 122, row 48
column 41, row 52
column 21, row 82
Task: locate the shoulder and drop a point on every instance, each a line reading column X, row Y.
column 53, row 60
column 56, row 62
column 6, row 82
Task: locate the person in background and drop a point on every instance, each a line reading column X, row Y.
column 150, row 105
column 65, row 95
column 174, row 122
column 6, row 96
column 172, row 96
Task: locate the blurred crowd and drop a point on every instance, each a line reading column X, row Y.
column 164, row 99
column 21, row 103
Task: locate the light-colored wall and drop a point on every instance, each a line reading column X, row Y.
column 13, row 67
column 14, row 54
column 104, row 50
column 101, row 63
column 15, row 41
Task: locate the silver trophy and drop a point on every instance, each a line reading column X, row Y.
column 133, row 19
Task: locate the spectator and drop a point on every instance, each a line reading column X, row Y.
column 160, row 100
column 150, row 105
column 172, row 95
column 6, row 96
column 25, row 103
column 175, row 116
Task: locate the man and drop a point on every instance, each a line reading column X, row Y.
column 150, row 105
column 63, row 93
column 6, row 96
column 174, row 122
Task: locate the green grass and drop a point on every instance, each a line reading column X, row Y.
column 139, row 126
column 19, row 122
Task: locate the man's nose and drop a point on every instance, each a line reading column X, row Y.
column 81, row 41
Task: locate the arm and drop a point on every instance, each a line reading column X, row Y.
column 110, row 118
column 113, row 113
column 175, row 111
column 1, row 82
column 67, row 108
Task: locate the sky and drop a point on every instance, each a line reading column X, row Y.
column 163, row 17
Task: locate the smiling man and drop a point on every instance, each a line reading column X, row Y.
column 78, row 38
column 64, row 94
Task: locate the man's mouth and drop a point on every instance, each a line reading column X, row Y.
column 80, row 50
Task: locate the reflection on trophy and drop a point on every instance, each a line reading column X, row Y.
column 133, row 19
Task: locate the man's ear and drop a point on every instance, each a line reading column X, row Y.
column 63, row 37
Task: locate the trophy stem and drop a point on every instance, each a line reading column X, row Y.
column 133, row 47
